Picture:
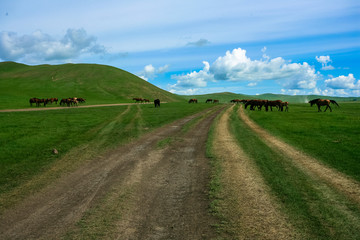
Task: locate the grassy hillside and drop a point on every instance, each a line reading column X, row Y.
column 96, row 83
column 227, row 96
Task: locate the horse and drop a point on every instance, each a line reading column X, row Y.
column 146, row 100
column 323, row 102
column 216, row 101
column 208, row 100
column 286, row 105
column 33, row 100
column 138, row 99
column 193, row 100
column 255, row 103
column 276, row 103
column 157, row 102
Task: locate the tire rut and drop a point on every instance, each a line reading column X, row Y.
column 167, row 200
column 253, row 213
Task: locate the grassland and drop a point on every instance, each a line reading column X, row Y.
column 27, row 138
column 331, row 137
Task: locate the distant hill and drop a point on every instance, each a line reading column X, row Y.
column 96, row 83
column 227, row 97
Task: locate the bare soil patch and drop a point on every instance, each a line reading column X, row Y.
column 310, row 165
column 252, row 211
column 138, row 191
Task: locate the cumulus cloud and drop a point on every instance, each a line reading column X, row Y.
column 200, row 43
column 194, row 79
column 343, row 82
column 150, row 71
column 40, row 46
column 324, row 60
column 235, row 66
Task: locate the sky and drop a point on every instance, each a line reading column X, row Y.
column 195, row 46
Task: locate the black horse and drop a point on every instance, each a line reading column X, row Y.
column 157, row 102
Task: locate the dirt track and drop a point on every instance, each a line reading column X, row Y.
column 151, row 192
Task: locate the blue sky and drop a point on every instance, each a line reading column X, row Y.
column 196, row 47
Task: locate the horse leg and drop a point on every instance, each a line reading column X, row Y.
column 319, row 110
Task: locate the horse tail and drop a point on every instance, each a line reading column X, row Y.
column 334, row 102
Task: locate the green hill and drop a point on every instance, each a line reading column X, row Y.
column 98, row 84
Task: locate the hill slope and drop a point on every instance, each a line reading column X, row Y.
column 96, row 83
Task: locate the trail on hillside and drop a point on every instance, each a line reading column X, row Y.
column 138, row 191
column 308, row 164
column 253, row 213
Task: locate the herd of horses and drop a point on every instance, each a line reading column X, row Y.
column 63, row 102
column 252, row 103
column 267, row 104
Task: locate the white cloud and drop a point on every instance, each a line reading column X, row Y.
column 150, row 71
column 193, row 79
column 40, row 46
column 343, row 82
column 235, row 66
column 324, row 60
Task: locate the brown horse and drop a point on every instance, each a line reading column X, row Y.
column 286, row 105
column 275, row 103
column 323, row 102
column 193, row 100
column 216, row 101
column 209, row 100
column 138, row 99
column 255, row 103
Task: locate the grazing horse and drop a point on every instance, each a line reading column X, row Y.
column 193, row 100
column 146, row 100
column 138, row 99
column 323, row 102
column 157, row 102
column 286, row 105
column 235, row 101
column 216, row 101
column 33, row 100
column 255, row 103
column 208, row 100
column 276, row 103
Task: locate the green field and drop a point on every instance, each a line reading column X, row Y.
column 332, row 137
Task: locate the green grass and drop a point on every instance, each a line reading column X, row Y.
column 27, row 138
column 332, row 137
column 304, row 200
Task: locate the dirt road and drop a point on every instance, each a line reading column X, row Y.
column 143, row 190
column 56, row 108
